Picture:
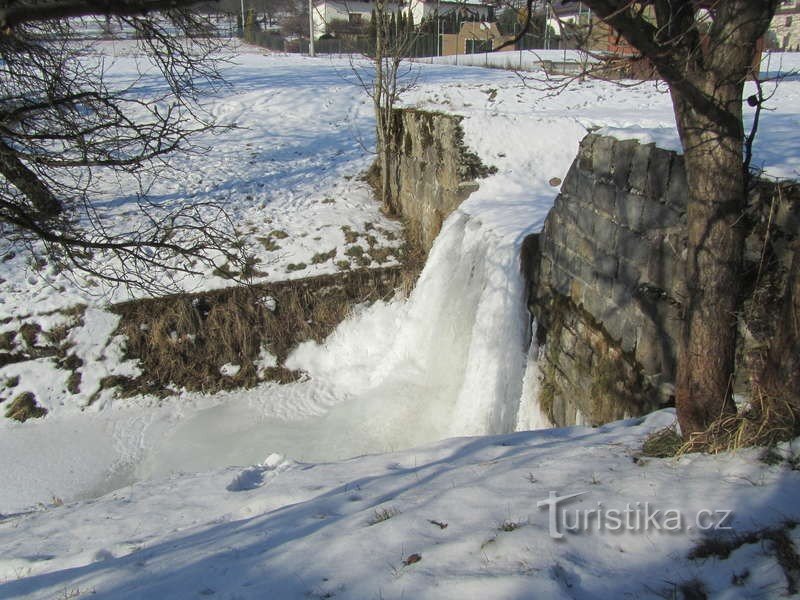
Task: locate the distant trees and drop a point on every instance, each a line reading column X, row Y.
column 64, row 128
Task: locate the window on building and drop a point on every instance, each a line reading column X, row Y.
column 355, row 18
column 478, row 46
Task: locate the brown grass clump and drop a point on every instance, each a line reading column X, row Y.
column 24, row 407
column 765, row 422
column 663, row 443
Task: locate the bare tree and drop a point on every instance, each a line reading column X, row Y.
column 63, row 128
column 390, row 76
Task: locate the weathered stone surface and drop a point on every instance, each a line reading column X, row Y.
column 432, row 171
column 604, row 198
column 606, row 282
column 640, row 164
column 622, row 156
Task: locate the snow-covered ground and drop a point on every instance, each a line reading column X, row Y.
column 520, row 60
column 449, row 361
column 456, row 519
column 288, row 175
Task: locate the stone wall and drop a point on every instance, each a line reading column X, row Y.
column 432, row 172
column 606, row 283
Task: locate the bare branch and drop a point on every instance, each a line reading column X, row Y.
column 14, row 15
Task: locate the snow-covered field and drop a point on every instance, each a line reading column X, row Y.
column 139, row 498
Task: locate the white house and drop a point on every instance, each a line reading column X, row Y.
column 360, row 11
column 355, row 12
column 423, row 9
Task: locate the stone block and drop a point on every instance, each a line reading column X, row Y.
column 594, row 304
column 606, row 265
column 640, row 163
column 584, row 182
column 662, row 267
column 627, row 338
column 585, row 152
column 582, row 244
column 629, row 273
column 604, row 198
column 566, row 207
column 658, row 173
column 561, row 280
column 586, row 221
column 650, row 348
column 602, row 157
column 656, row 215
column 677, row 192
column 614, row 322
column 633, row 248
column 629, row 208
column 570, row 185
column 621, row 162
column 605, row 234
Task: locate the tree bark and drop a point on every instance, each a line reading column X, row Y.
column 715, row 240
column 27, row 182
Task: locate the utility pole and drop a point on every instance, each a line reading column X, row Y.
column 311, row 28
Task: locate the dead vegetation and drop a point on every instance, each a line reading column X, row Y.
column 24, row 407
column 773, row 541
column 663, row 443
column 185, row 340
column 382, row 514
column 766, row 421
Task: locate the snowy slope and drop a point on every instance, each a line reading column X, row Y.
column 467, row 508
column 287, row 173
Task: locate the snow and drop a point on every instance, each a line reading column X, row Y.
column 522, row 60
column 138, row 497
column 288, row 170
column 320, row 530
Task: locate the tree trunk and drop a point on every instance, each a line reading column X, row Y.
column 717, row 197
column 26, row 181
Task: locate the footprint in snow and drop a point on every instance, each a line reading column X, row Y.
column 254, row 477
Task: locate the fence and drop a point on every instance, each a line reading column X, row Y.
column 421, row 45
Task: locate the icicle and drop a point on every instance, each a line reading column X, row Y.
column 530, row 414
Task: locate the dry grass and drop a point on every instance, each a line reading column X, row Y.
column 184, row 340
column 24, row 407
column 773, row 541
column 663, row 443
column 268, row 243
column 765, row 422
column 350, row 236
column 383, row 514
column 321, row 257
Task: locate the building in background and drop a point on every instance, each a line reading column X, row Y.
column 784, row 31
column 473, row 38
column 359, row 12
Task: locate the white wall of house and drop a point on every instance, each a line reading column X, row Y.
column 422, row 9
column 331, row 10
column 345, row 10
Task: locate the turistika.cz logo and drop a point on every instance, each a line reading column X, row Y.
column 635, row 517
